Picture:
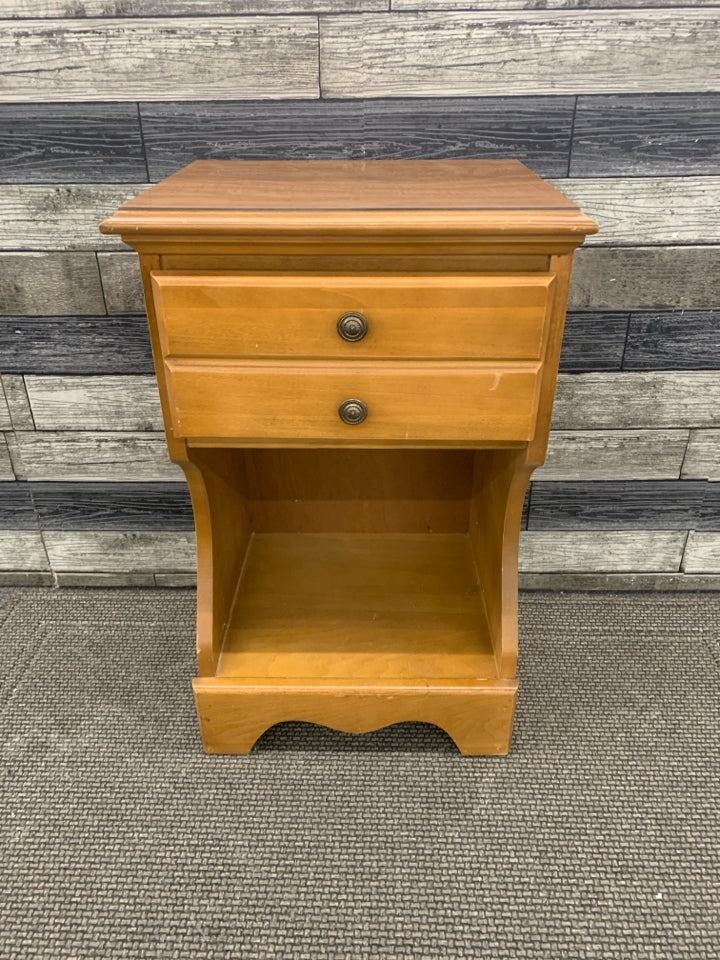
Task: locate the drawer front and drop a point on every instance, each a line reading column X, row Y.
column 410, row 401
column 498, row 317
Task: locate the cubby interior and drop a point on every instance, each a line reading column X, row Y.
column 359, row 564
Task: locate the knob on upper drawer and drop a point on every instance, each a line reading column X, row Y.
column 352, row 326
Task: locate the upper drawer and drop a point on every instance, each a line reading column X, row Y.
column 441, row 316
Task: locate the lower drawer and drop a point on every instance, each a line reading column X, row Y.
column 404, row 401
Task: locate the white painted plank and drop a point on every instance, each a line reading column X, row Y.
column 599, row 401
column 13, row 386
column 614, row 455
column 702, row 553
column 52, row 216
column 538, row 52
column 5, row 421
column 22, row 550
column 649, row 210
column 702, row 460
column 123, row 552
column 107, row 457
column 194, row 58
column 616, row 551
column 181, row 8
column 630, row 210
column 95, row 403
column 587, row 401
column 455, row 5
column 6, row 470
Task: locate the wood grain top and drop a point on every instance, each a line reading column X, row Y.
column 220, row 196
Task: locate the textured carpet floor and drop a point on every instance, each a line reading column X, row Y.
column 598, row 837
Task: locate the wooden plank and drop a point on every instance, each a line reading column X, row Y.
column 176, row 580
column 87, row 455
column 118, row 344
column 588, row 401
column 110, row 506
column 603, row 279
column 702, row 553
column 702, row 459
column 614, row 455
column 22, row 550
column 538, row 52
column 455, row 5
column 614, row 582
column 641, row 551
column 629, row 211
column 20, row 578
column 624, row 504
column 95, row 403
column 650, row 135
column 5, row 421
column 593, row 341
column 673, row 340
column 645, row 278
column 58, row 142
column 101, row 580
column 144, row 551
column 60, row 216
column 17, row 402
column 535, row 130
column 180, row 8
column 33, row 283
column 16, row 507
column 6, row 470
column 121, row 282
column 141, row 59
column 648, row 210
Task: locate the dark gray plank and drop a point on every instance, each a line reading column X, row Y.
column 535, row 130
column 613, row 582
column 646, row 135
column 143, row 58
column 520, row 4
column 37, row 283
column 16, row 507
column 588, row 551
column 617, row 505
column 111, row 506
column 118, row 344
column 518, row 52
column 673, row 340
column 593, row 341
column 119, row 551
column 652, row 278
column 70, row 143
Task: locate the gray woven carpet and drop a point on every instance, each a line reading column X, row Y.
column 599, row 836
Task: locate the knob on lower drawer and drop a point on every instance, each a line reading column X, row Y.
column 352, row 411
column 352, row 326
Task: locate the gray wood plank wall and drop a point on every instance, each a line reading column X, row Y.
column 618, row 104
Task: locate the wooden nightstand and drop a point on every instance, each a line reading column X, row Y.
column 357, row 362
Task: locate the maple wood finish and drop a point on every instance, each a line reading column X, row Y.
column 357, row 483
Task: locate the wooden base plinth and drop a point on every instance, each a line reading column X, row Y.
column 234, row 713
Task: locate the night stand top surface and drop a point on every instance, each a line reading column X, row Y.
column 421, row 196
column 353, row 185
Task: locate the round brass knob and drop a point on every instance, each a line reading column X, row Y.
column 352, row 411
column 352, row 326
